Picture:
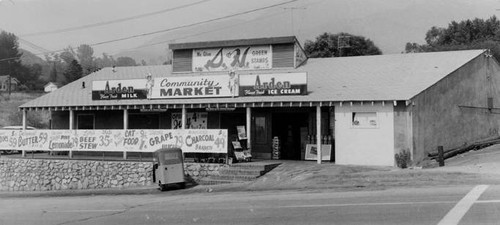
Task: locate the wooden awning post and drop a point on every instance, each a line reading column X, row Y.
column 25, row 115
column 71, row 122
column 249, row 129
column 125, row 127
column 183, row 124
column 318, row 133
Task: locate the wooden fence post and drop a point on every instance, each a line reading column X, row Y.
column 440, row 156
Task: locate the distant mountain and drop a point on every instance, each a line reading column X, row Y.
column 28, row 58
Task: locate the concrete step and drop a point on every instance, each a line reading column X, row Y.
column 265, row 167
column 211, row 181
column 232, row 177
column 238, row 171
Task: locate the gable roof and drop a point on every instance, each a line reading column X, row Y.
column 233, row 43
column 52, row 84
column 361, row 78
column 5, row 78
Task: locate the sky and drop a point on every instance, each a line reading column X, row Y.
column 51, row 25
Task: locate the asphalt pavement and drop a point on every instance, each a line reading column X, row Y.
column 466, row 204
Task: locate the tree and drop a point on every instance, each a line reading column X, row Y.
column 68, row 55
column 10, row 62
column 105, row 61
column 327, row 45
column 463, row 35
column 32, row 74
column 53, row 73
column 73, row 72
column 85, row 56
column 10, row 57
column 125, row 61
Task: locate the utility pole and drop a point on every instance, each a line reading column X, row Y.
column 291, row 15
column 10, row 79
column 10, row 83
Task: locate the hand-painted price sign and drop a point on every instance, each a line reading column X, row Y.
column 189, row 140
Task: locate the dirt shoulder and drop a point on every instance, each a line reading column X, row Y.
column 472, row 168
column 309, row 175
column 485, row 161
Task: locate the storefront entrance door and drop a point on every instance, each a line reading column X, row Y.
column 261, row 135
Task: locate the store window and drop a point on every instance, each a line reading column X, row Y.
column 85, row 122
column 143, row 121
column 364, row 120
column 194, row 120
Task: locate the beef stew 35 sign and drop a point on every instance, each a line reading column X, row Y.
column 189, row 140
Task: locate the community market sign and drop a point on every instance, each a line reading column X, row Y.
column 195, row 140
column 191, row 87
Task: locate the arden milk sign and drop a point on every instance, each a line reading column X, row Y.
column 237, row 58
column 273, row 84
column 119, row 89
column 196, row 140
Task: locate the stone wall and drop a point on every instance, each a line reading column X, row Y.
column 46, row 175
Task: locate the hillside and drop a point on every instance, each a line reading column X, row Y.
column 28, row 58
column 10, row 115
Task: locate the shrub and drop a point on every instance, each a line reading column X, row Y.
column 403, row 159
column 38, row 120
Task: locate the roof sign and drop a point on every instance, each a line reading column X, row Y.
column 237, row 58
column 119, row 89
column 273, row 84
column 192, row 87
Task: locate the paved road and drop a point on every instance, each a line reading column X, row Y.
column 442, row 205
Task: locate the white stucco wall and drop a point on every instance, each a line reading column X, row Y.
column 50, row 88
column 364, row 146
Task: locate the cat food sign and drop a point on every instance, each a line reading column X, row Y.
column 237, row 58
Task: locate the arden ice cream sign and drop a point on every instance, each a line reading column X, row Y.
column 273, row 84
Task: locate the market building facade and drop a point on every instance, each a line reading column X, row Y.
column 280, row 104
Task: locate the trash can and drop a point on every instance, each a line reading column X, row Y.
column 168, row 167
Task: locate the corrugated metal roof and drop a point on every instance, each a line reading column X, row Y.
column 232, row 43
column 362, row 78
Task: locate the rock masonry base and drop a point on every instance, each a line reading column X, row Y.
column 48, row 175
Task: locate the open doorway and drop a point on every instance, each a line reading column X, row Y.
column 287, row 127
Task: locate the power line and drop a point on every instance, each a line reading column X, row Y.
column 111, row 21
column 31, row 44
column 169, row 29
column 200, row 33
column 193, row 24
